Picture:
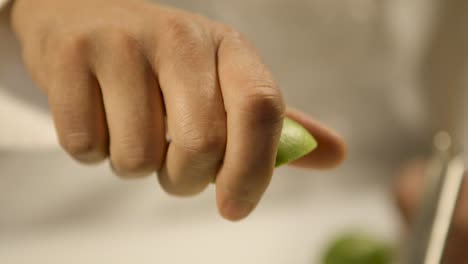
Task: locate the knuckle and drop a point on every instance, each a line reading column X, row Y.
column 78, row 144
column 264, row 104
column 73, row 44
column 121, row 39
column 234, row 35
column 180, row 185
column 178, row 28
column 134, row 160
column 229, row 32
column 130, row 157
column 209, row 144
column 184, row 35
column 234, row 38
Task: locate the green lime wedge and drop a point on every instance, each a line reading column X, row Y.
column 295, row 142
column 357, row 248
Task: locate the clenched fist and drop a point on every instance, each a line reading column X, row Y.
column 161, row 90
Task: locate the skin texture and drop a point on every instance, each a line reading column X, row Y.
column 408, row 189
column 120, row 75
column 295, row 142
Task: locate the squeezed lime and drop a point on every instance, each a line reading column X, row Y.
column 295, row 143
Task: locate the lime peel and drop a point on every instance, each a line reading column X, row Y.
column 295, row 143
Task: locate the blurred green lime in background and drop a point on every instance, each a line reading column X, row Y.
column 358, row 248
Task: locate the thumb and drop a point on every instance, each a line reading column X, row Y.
column 409, row 190
column 331, row 149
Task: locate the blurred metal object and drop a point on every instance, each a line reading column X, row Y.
column 444, row 77
column 444, row 179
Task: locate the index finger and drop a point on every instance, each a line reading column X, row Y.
column 255, row 111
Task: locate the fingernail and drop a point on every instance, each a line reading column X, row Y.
column 235, row 210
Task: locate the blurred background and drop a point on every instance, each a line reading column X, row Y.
column 352, row 64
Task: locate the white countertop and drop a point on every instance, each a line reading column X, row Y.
column 54, row 211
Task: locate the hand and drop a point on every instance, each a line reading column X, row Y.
column 409, row 187
column 115, row 70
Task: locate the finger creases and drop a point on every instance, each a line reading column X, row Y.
column 76, row 105
column 195, row 114
column 134, row 108
column 255, row 112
